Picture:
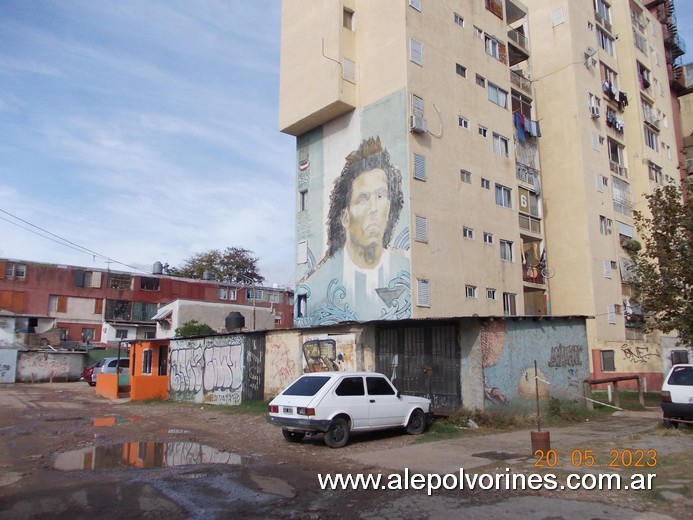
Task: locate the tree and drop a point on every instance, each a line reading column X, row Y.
column 663, row 270
column 235, row 264
column 193, row 328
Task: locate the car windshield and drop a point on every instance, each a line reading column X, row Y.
column 307, row 386
column 681, row 376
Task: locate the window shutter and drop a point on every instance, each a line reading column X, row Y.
column 419, row 167
column 62, row 304
column 78, row 277
column 98, row 306
column 2, row 270
column 416, row 52
column 607, row 269
column 423, row 293
column 96, row 279
column 421, row 233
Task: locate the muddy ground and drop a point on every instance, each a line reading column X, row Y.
column 67, row 453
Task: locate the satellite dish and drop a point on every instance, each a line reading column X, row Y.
column 590, row 51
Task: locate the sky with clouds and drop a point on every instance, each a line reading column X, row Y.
column 143, row 131
column 146, row 131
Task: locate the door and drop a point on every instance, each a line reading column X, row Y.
column 385, row 409
column 350, row 396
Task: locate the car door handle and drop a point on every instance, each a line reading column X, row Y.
column 372, row 400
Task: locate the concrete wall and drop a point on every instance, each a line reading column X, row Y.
column 8, row 365
column 33, row 366
column 283, row 361
column 207, row 370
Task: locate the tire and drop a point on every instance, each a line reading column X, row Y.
column 293, row 436
column 338, row 434
column 417, row 423
column 670, row 423
column 91, row 383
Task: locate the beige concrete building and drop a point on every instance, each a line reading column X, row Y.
column 420, row 190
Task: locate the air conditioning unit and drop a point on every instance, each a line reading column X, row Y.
column 417, row 124
column 594, row 111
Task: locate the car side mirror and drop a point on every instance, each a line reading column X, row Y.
column 399, row 394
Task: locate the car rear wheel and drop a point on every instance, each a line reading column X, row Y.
column 293, row 436
column 417, row 423
column 338, row 434
column 91, row 383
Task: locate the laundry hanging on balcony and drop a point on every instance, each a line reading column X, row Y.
column 526, row 126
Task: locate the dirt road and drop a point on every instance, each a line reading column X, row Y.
column 66, row 453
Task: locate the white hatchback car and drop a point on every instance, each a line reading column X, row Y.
column 677, row 395
column 338, row 403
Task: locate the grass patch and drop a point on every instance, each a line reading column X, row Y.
column 441, row 430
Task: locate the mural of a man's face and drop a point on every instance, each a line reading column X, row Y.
column 365, row 218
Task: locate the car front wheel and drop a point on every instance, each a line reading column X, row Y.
column 338, row 434
column 293, row 436
column 417, row 422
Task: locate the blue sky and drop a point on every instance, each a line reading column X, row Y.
column 144, row 131
column 147, row 130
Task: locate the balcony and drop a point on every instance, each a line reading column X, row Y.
column 526, row 174
column 619, row 170
column 518, row 46
column 650, row 119
column 529, row 223
column 521, row 82
column 533, row 275
column 601, row 20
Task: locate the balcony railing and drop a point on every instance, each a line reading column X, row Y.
column 519, row 38
column 520, row 82
column 618, row 169
column 601, row 20
column 526, row 174
column 640, row 42
column 650, row 118
column 533, row 275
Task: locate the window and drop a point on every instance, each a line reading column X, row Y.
column 602, row 182
column 529, row 202
column 486, row 184
column 605, row 41
column 459, row 20
column 252, row 293
column 611, row 313
column 466, row 176
column 149, row 284
column 497, row 95
column 460, row 70
column 470, row 291
column 226, row 293
column 416, row 52
column 509, row 306
column 490, row 294
column 609, row 80
column 421, row 232
column 622, row 196
column 480, row 80
column 607, row 269
column 274, row 297
column 603, row 11
column 492, row 47
column 417, row 105
column 87, row 334
column 500, row 145
column 608, row 361
column 463, row 122
column 16, row 271
column 478, row 32
column 654, row 173
column 503, row 196
column 651, row 138
column 57, row 303
column 468, row 233
column 506, row 250
column 605, row 225
column 303, row 200
column 379, row 386
column 350, row 386
column 482, row 131
column 488, row 238
column 348, row 70
column 423, row 296
column 348, row 19
column 419, row 167
column 416, row 4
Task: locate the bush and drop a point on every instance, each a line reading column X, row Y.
column 497, row 419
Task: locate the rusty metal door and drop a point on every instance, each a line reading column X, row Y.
column 422, row 360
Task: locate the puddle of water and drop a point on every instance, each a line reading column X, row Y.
column 143, row 455
column 112, row 421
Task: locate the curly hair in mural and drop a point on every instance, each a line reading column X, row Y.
column 369, row 156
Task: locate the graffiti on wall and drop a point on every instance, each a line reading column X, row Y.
column 335, row 353
column 210, row 373
column 638, row 354
column 565, row 356
column 281, row 364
